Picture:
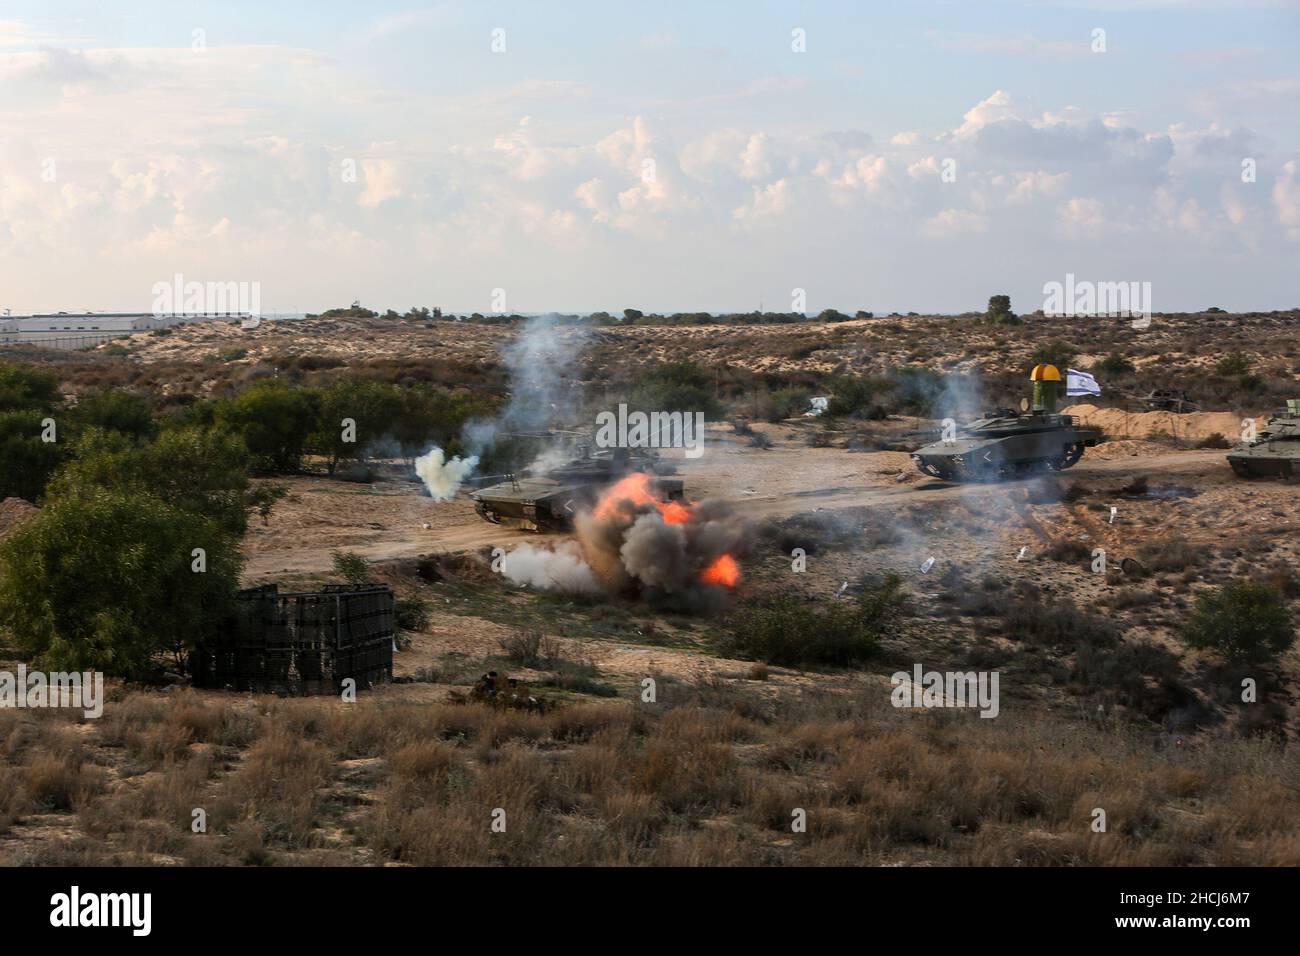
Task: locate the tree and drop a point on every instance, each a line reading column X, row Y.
column 26, row 460
column 373, row 408
column 116, row 410
column 197, row 471
column 631, row 315
column 351, row 567
column 23, row 388
column 1245, row 622
column 108, row 581
column 999, row 311
column 275, row 421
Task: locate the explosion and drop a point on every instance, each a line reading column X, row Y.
column 633, row 540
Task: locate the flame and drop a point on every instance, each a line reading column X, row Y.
column 725, row 571
column 634, row 490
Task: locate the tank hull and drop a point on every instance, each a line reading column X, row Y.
column 1276, row 452
column 1008, row 449
column 1263, row 465
column 539, row 504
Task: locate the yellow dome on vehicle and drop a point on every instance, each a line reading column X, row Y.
column 1045, row 373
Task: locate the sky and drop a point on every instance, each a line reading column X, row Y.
column 670, row 156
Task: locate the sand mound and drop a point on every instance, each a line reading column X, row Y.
column 1118, row 423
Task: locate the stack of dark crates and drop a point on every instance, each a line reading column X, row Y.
column 304, row 643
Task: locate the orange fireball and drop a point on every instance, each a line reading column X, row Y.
column 724, row 571
column 634, row 490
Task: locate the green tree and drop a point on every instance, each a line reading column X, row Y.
column 107, row 581
column 26, row 460
column 197, row 471
column 999, row 311
column 1245, row 622
column 275, row 420
column 115, row 410
column 23, row 388
column 373, row 408
column 351, row 567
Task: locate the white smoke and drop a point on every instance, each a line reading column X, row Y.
column 443, row 477
column 559, row 569
column 543, row 389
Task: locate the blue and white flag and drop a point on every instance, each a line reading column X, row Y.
column 1080, row 383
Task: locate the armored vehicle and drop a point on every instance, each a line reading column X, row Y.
column 1004, row 443
column 548, row 499
column 1168, row 400
column 1275, row 452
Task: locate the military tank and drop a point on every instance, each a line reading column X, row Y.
column 548, row 499
column 1275, row 452
column 1005, row 443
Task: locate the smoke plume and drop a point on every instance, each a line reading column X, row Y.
column 443, row 477
column 541, row 391
column 560, row 568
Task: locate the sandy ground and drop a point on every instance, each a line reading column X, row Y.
column 394, row 519
column 1002, row 530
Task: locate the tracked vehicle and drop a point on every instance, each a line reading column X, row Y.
column 1275, row 452
column 548, row 499
column 1005, row 444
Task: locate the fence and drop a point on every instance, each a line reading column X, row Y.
column 306, row 643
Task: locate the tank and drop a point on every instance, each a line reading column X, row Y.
column 1275, row 452
column 550, row 499
column 1005, row 443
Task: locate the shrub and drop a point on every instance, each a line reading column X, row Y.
column 1245, row 622
column 274, row 419
column 1214, row 441
column 789, row 403
column 352, row 567
column 118, row 411
column 26, row 460
column 1058, row 624
column 1116, row 364
column 1233, row 364
column 786, row 630
column 412, row 614
column 106, row 581
column 23, row 388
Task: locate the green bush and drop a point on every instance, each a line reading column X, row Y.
column 115, row 410
column 23, row 388
column 275, row 421
column 1232, row 365
column 676, row 387
column 412, row 614
column 196, row 471
column 107, row 581
column 27, row 461
column 351, row 567
column 1245, row 622
column 1116, row 364
column 785, row 630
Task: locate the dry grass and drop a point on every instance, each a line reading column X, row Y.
column 716, row 780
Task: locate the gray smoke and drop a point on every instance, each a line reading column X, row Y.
column 542, row 390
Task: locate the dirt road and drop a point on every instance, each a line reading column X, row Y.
column 394, row 519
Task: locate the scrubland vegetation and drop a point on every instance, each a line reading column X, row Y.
column 712, row 775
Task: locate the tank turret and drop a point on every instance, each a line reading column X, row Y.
column 1004, row 444
column 1274, row 452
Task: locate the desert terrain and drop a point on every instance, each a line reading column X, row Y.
column 1104, row 704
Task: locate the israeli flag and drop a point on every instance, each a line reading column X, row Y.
column 1080, row 383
